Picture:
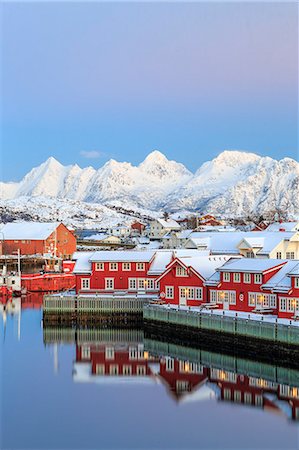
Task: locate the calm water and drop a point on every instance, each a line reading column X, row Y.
column 98, row 388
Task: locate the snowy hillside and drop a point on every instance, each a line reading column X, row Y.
column 234, row 183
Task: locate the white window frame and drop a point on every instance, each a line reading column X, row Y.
column 198, row 293
column 181, row 271
column 132, row 284
column 247, row 278
column 140, row 266
column 141, row 284
column 290, row 255
column 85, row 283
column 296, row 283
column 258, row 278
column 169, row 292
column 113, row 266
column 150, row 285
column 126, row 266
column 109, row 284
column 237, row 277
column 99, row 266
column 226, row 277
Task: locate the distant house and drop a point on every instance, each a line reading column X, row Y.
column 283, row 226
column 49, row 239
column 282, row 245
column 138, row 226
column 160, row 227
column 103, row 238
column 176, row 239
column 120, row 231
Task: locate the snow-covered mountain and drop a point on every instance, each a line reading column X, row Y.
column 234, row 183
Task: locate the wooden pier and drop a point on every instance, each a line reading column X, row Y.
column 249, row 327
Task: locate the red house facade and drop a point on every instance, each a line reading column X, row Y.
column 33, row 238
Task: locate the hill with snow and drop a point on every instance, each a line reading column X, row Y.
column 233, row 183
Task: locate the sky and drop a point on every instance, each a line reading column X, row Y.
column 86, row 82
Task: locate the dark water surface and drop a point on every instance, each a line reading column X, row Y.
column 88, row 389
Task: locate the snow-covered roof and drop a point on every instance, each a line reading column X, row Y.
column 122, row 255
column 96, row 237
column 284, row 226
column 228, row 242
column 281, row 281
column 295, row 271
column 254, row 265
column 161, row 260
column 169, row 223
column 28, row 230
column 82, row 262
column 205, row 265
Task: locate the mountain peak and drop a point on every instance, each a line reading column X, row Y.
column 52, row 162
column 155, row 157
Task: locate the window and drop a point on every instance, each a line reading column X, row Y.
column 198, row 294
column 169, row 363
column 249, row 254
column 85, row 283
column 278, row 255
column 113, row 369
column 237, row 396
column 213, row 296
column 109, row 353
column 100, row 369
column 226, row 276
column 140, row 370
column 190, row 293
column 127, row 370
column 132, row 284
column 247, row 278
column 248, row 398
column 133, row 353
column 237, row 277
column 259, row 400
column 141, row 283
column 99, row 266
column 261, row 300
column 140, row 266
column 227, row 394
column 85, row 352
column 126, row 266
column 113, row 266
column 258, row 278
column 109, row 283
column 227, row 296
column 150, row 284
column 297, row 282
column 290, row 255
column 283, row 304
column 169, row 292
column 181, row 271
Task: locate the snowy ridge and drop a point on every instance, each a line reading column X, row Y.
column 234, row 183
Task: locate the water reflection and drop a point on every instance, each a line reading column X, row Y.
column 106, row 355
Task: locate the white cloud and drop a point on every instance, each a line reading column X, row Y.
column 92, row 154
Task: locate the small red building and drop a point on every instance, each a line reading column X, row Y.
column 49, row 239
column 139, row 226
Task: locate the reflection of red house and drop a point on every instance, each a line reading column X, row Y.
column 33, row 238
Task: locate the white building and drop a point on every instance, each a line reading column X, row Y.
column 160, row 227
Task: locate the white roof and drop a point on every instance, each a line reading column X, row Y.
column 285, row 226
column 169, row 223
column 82, row 262
column 82, row 374
column 295, row 270
column 205, row 265
column 96, row 237
column 28, row 230
column 254, row 265
column 281, row 281
column 228, row 242
column 122, row 256
column 164, row 257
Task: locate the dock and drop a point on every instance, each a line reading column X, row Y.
column 226, row 323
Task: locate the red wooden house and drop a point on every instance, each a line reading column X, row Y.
column 49, row 239
column 139, row 226
column 241, row 285
column 107, row 271
column 183, row 281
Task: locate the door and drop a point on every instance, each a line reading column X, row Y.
column 183, row 296
column 226, row 302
